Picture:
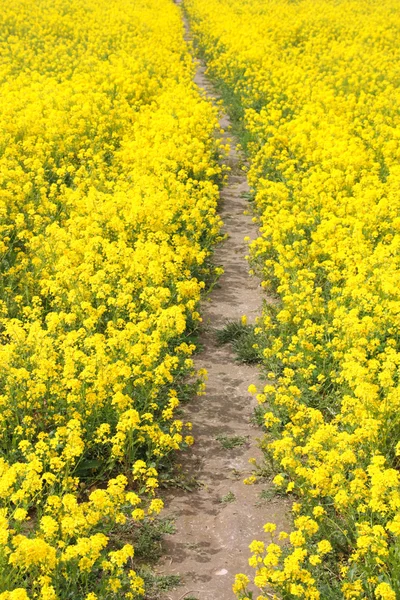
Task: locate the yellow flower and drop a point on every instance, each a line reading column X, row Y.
column 48, row 592
column 138, row 514
column 241, row 582
column 269, row 527
column 297, row 538
column 278, row 480
column 49, row 526
column 318, row 511
column 20, row 514
column 156, row 506
column 324, row 547
column 33, row 552
column 17, row 594
column 257, row 547
column 250, row 480
column 121, row 557
column 385, row 591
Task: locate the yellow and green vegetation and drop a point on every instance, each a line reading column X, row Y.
column 108, row 216
column 108, row 194
column 315, row 87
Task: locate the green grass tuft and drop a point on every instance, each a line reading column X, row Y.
column 230, row 442
column 229, row 497
column 156, row 585
column 245, row 342
column 232, row 332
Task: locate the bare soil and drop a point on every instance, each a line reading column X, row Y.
column 216, row 522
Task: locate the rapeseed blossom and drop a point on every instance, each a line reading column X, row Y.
column 316, row 86
column 108, row 214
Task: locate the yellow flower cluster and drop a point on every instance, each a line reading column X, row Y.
column 317, row 87
column 108, row 197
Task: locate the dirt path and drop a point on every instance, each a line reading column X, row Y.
column 216, row 522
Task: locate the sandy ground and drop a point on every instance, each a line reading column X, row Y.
column 212, row 535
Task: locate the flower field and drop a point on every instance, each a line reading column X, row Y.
column 110, row 171
column 108, row 195
column 314, row 87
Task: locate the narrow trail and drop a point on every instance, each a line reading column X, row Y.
column 213, row 534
